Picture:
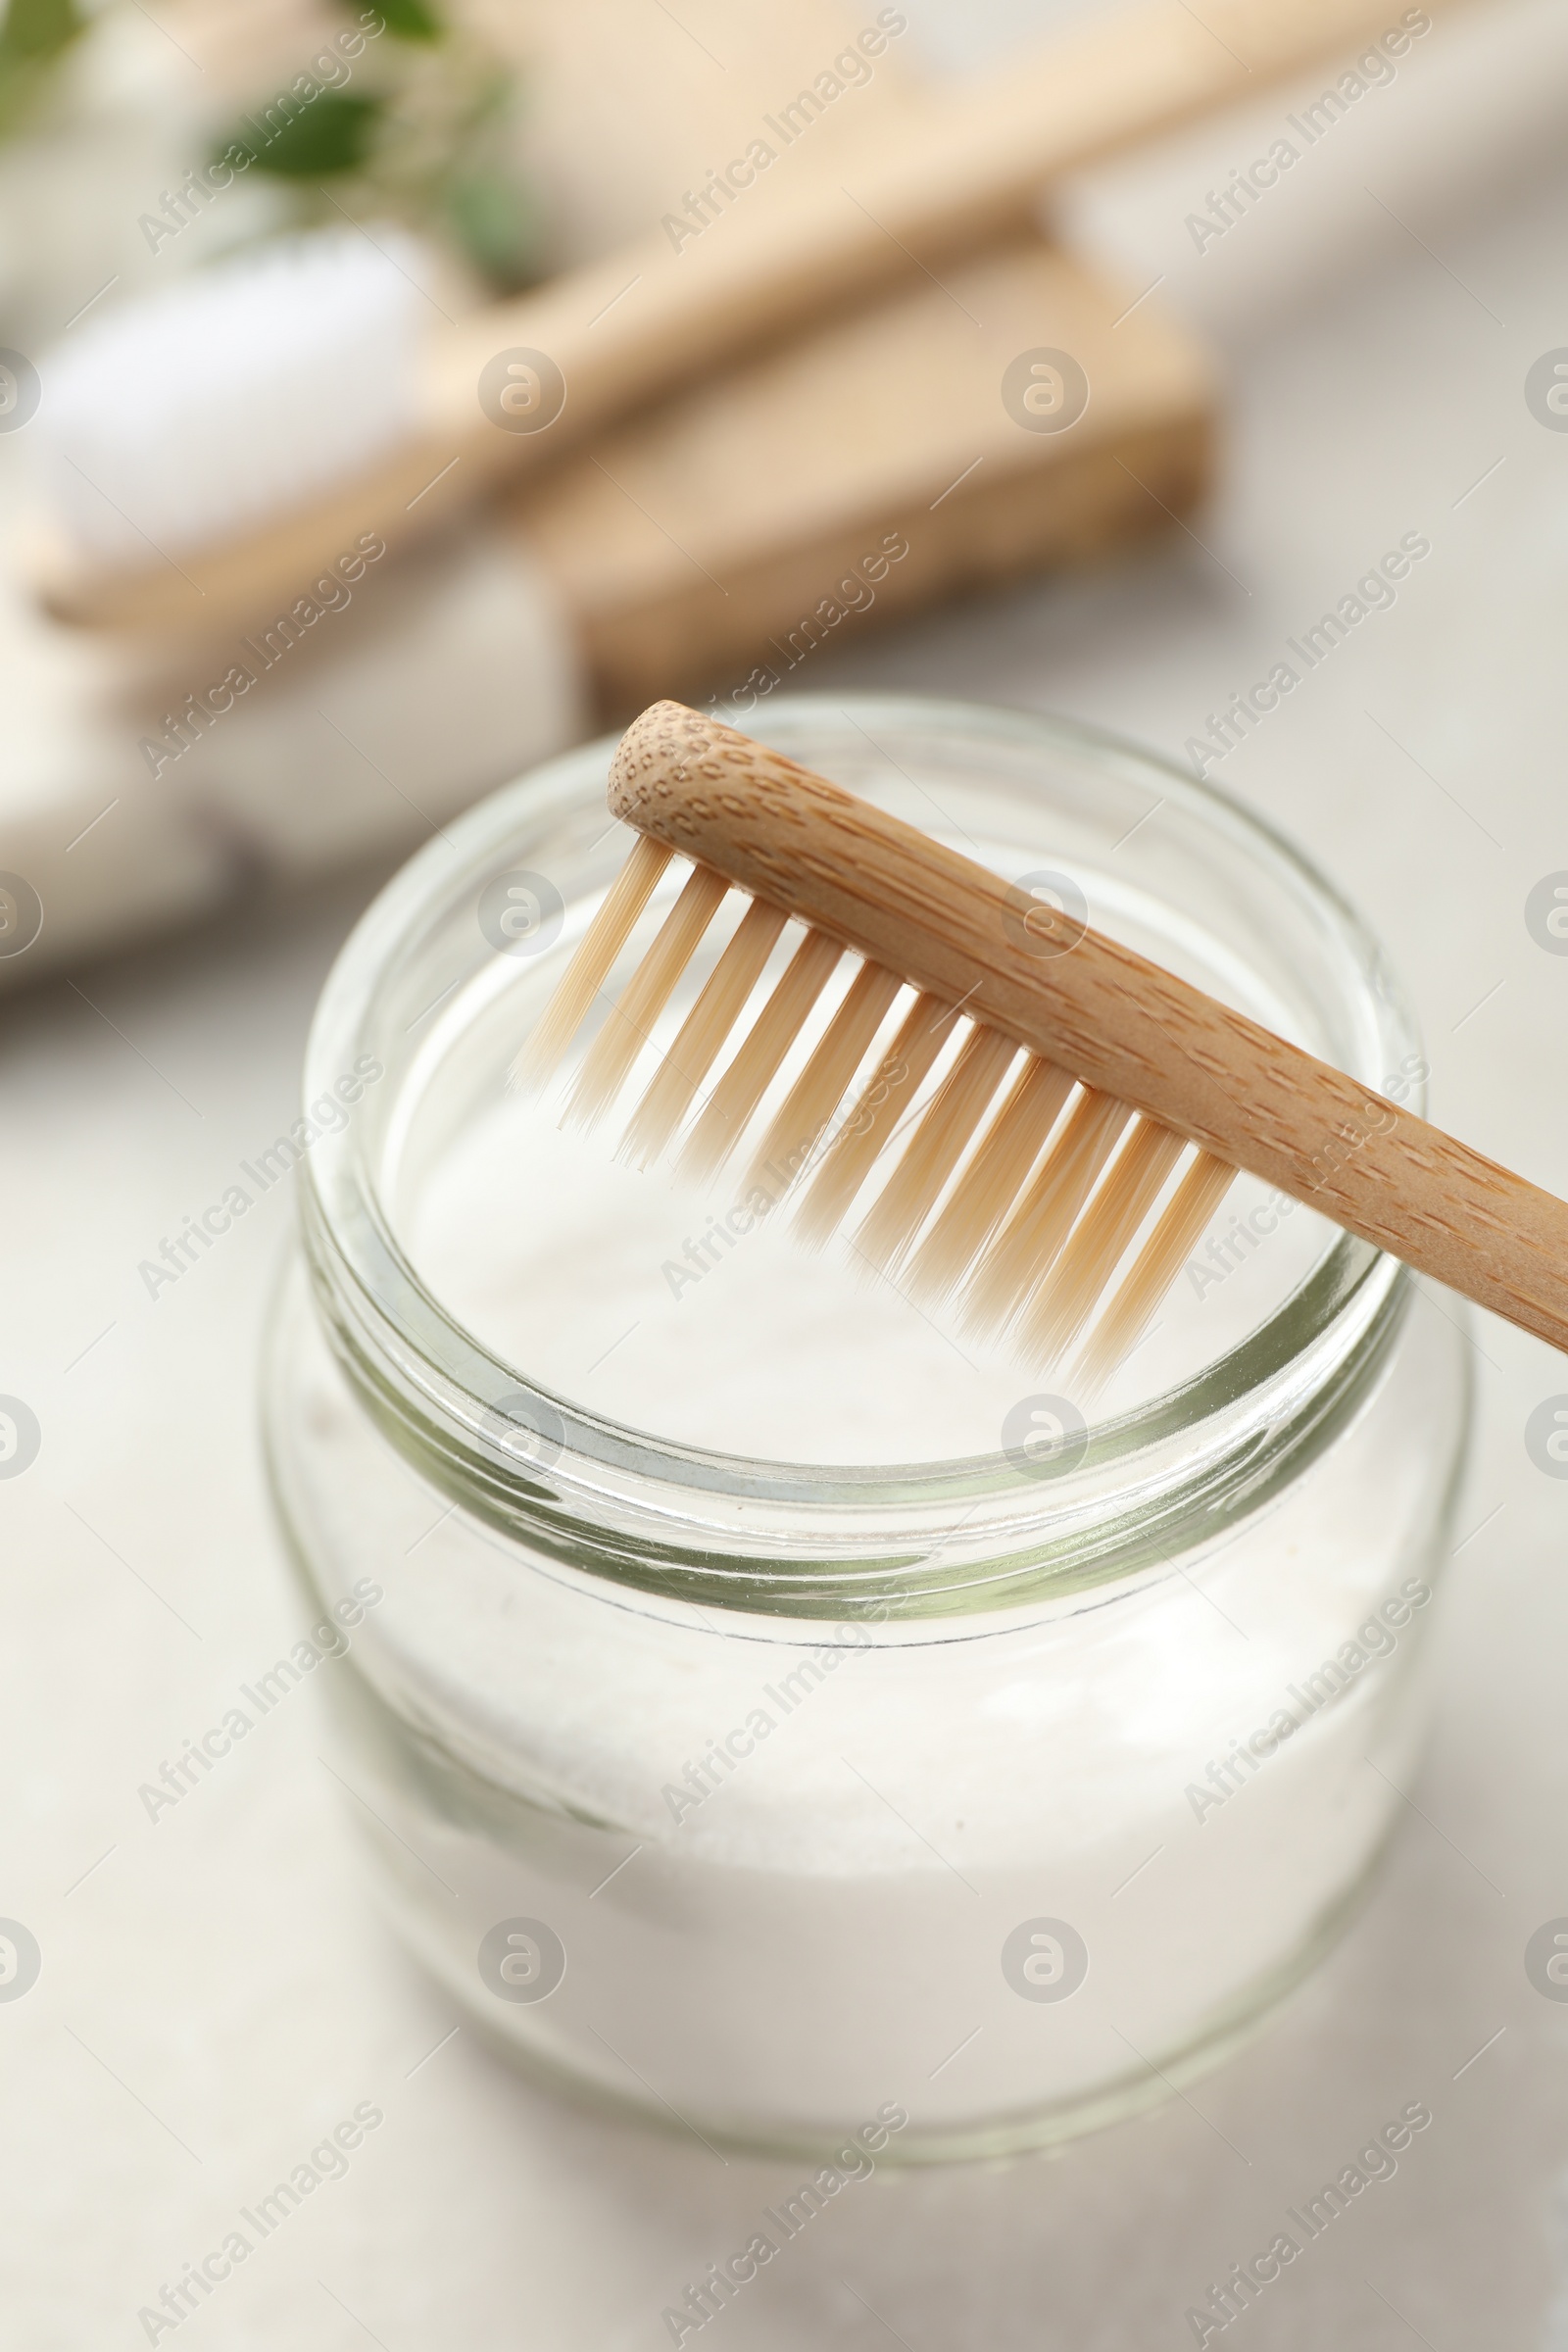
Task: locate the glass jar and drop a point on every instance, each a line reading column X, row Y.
column 907, row 1779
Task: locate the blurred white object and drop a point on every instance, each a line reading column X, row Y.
column 173, row 420
column 458, row 671
column 395, row 714
column 379, row 724
column 1476, row 105
column 131, row 110
column 597, row 343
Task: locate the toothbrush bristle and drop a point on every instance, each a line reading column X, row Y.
column 176, row 420
column 993, row 1181
column 628, row 1024
column 1028, row 1244
column 673, row 1086
column 590, row 967
column 1056, row 1313
column 1181, row 1222
column 796, row 1131
column 879, row 1108
column 949, row 1121
column 730, row 1106
column 1009, row 1187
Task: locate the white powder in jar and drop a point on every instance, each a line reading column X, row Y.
column 825, row 1921
column 790, row 1861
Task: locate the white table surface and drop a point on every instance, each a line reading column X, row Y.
column 216, row 1990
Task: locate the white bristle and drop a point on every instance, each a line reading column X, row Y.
column 241, row 392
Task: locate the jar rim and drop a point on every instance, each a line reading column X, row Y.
column 1215, row 1441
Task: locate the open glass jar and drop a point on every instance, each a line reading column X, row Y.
column 768, row 1721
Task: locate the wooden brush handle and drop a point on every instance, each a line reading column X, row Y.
column 968, row 174
column 1111, row 1017
column 624, row 330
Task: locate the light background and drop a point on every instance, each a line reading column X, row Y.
column 216, row 1993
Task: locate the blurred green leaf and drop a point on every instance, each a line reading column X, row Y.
column 38, row 28
column 309, row 138
column 34, row 36
column 497, row 225
column 411, row 20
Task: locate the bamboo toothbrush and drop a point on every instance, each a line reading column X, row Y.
column 1092, row 1092
column 216, row 478
column 854, row 475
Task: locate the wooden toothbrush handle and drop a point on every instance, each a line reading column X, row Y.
column 624, row 331
column 1111, row 1017
column 801, row 238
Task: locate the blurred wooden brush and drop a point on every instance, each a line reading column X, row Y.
column 266, row 419
column 1089, row 1123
